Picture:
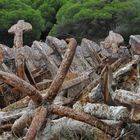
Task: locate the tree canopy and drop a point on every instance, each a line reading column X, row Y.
column 61, row 18
column 94, row 18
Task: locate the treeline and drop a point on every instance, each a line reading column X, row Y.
column 79, row 18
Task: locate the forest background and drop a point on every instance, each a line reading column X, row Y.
column 91, row 19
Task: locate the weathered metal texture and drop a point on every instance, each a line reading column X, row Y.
column 9, row 95
column 75, row 86
column 126, row 97
column 57, row 45
column 81, row 116
column 44, row 84
column 20, row 62
column 105, row 84
column 18, row 29
column 79, row 63
column 66, row 128
column 127, row 76
column 6, row 127
column 96, row 87
column 135, row 44
column 54, row 87
column 6, row 53
column 7, row 62
column 17, row 105
column 90, row 52
column 24, row 121
column 63, row 69
column 21, row 85
column 35, row 57
column 38, row 56
column 84, row 93
column 10, row 116
column 51, row 61
column 111, row 47
column 104, row 111
column 37, row 122
column 41, row 74
column 111, row 43
column 42, row 56
column 88, row 43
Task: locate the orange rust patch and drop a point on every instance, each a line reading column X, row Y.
column 132, row 76
column 71, row 76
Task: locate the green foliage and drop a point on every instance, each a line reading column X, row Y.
column 78, row 18
column 129, row 20
column 94, row 18
column 49, row 10
column 12, row 11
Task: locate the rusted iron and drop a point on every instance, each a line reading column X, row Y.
column 37, row 122
column 57, row 66
column 63, row 69
column 135, row 44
